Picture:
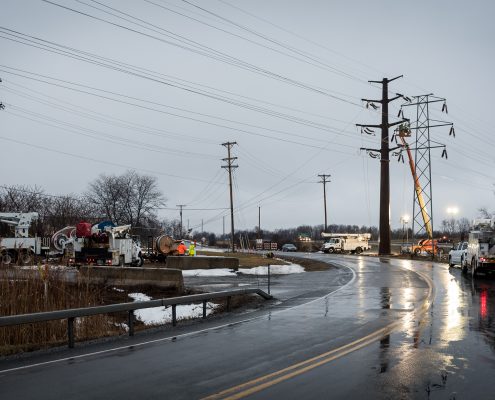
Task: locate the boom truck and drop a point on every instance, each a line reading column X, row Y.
column 99, row 244
column 21, row 248
column 481, row 247
column 343, row 242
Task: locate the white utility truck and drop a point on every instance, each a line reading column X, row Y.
column 346, row 242
column 481, row 247
column 20, row 248
column 99, row 244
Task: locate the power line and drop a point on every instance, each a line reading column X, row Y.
column 217, row 55
column 305, row 144
column 100, row 161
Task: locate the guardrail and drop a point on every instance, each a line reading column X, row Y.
column 73, row 313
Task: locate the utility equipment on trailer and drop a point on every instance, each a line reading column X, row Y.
column 100, row 244
column 21, row 248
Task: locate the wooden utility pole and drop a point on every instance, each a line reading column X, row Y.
column 383, row 153
column 324, row 180
column 259, row 222
column 180, row 208
column 230, row 166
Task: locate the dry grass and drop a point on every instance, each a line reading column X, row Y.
column 37, row 291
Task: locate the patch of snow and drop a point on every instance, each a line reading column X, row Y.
column 209, row 272
column 118, row 290
column 274, row 270
column 162, row 315
column 214, row 249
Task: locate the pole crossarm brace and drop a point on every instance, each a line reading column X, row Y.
column 387, row 80
column 369, row 126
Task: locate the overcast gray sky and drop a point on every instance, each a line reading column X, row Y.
column 162, row 83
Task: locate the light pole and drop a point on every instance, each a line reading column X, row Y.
column 405, row 220
column 452, row 212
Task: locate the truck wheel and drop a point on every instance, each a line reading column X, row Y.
column 26, row 257
column 330, row 250
column 417, row 252
column 358, row 250
column 6, row 257
column 463, row 266
column 139, row 262
column 473, row 268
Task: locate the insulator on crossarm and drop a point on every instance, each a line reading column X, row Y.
column 401, row 158
column 400, row 114
column 452, row 131
column 444, row 154
column 444, row 108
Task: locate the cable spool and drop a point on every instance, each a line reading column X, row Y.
column 165, row 244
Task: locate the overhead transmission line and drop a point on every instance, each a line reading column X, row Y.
column 68, row 107
column 239, row 130
column 149, row 75
column 97, row 135
column 315, row 61
column 101, row 161
column 211, row 53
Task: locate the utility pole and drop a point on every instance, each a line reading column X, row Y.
column 230, row 160
column 383, row 154
column 202, row 230
column 324, row 180
column 259, row 222
column 223, row 218
column 180, row 208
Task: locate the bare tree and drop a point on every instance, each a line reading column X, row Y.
column 22, row 199
column 126, row 199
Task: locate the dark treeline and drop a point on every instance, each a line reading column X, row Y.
column 134, row 199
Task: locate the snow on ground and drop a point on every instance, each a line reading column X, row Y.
column 161, row 315
column 261, row 270
column 209, row 272
column 274, row 270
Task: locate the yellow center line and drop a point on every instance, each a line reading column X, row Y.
column 266, row 381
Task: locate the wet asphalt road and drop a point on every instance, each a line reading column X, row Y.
column 370, row 329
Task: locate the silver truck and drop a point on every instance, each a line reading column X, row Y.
column 458, row 255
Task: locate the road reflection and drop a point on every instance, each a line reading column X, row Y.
column 483, row 307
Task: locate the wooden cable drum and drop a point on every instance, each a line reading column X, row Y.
column 165, row 244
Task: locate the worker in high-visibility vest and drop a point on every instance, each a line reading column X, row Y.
column 192, row 249
column 182, row 249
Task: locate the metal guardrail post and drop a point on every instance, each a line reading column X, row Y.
column 131, row 322
column 204, row 308
column 174, row 315
column 70, row 331
column 228, row 303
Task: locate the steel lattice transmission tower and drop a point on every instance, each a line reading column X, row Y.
column 422, row 223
